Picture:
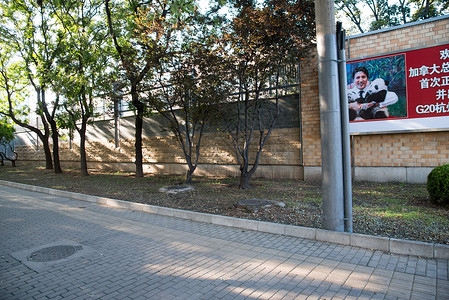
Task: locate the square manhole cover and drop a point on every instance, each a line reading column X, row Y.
column 42, row 257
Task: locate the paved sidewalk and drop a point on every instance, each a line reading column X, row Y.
column 125, row 254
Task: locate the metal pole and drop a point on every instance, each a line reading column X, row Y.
column 347, row 183
column 330, row 117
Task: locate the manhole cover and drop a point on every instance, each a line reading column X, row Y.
column 40, row 258
column 53, row 253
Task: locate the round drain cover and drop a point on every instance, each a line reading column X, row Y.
column 53, row 253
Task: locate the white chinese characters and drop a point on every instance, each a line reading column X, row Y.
column 438, row 82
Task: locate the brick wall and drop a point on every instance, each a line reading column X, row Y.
column 417, row 149
column 310, row 113
column 162, row 153
column 399, row 150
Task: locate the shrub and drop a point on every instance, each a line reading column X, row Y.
column 438, row 184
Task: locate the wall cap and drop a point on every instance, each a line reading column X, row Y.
column 399, row 26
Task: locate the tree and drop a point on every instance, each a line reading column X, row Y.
column 12, row 94
column 18, row 38
column 351, row 10
column 188, row 100
column 82, row 64
column 142, row 33
column 44, row 47
column 385, row 14
column 262, row 42
column 39, row 48
column 429, row 8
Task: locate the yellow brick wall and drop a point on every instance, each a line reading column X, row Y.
column 282, row 148
column 401, row 150
column 417, row 149
column 310, row 112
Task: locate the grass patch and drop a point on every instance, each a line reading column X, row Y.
column 394, row 210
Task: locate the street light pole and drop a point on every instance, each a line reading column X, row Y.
column 330, row 117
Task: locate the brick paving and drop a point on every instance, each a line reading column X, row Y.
column 136, row 255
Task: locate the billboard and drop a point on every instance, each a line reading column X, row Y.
column 400, row 92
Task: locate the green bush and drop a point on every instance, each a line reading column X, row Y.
column 438, row 184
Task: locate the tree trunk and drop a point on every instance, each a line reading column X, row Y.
column 47, row 151
column 244, row 181
column 55, row 138
column 189, row 176
column 244, row 174
column 140, row 107
column 426, row 10
column 83, row 155
column 54, row 131
column 43, row 136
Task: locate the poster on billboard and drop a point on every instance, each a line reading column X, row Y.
column 405, row 91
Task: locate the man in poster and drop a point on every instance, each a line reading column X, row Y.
column 368, row 100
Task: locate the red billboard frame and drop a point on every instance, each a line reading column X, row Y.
column 428, row 82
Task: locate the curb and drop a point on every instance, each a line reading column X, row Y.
column 384, row 244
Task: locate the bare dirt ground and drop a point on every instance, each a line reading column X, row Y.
column 393, row 210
